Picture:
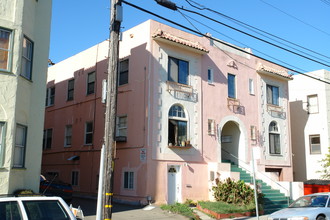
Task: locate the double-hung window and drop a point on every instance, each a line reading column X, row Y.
column 274, row 139
column 70, row 89
column 2, row 142
column 68, row 136
column 90, row 83
column 178, row 70
column 123, row 72
column 313, row 104
column 121, row 128
column 128, row 180
column 177, row 126
column 5, row 49
column 50, row 96
column 27, row 58
column 47, row 140
column 231, row 86
column 20, row 146
column 315, row 144
column 89, row 133
column 273, row 95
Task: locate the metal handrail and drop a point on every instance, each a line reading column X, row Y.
column 259, row 173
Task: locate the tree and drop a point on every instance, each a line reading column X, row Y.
column 325, row 164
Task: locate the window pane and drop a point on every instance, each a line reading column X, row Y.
column 9, row 210
column 27, row 58
column 45, row 210
column 4, row 48
column 231, row 86
column 183, row 72
column 90, row 83
column 123, row 72
column 178, row 70
column 315, row 144
column 275, row 95
column 70, row 89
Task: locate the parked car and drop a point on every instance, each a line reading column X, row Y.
column 310, row 207
column 54, row 187
column 34, row 207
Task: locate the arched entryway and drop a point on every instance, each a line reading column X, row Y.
column 233, row 144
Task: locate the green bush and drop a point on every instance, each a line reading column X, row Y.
column 234, row 192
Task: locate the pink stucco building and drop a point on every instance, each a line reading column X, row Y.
column 187, row 106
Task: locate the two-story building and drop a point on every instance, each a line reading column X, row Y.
column 187, row 106
column 24, row 48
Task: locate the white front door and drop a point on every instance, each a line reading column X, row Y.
column 173, row 184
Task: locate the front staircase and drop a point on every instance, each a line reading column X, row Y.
column 273, row 199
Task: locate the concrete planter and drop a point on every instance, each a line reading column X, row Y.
column 227, row 215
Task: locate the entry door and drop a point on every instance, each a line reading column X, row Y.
column 174, row 184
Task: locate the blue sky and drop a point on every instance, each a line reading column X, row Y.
column 78, row 25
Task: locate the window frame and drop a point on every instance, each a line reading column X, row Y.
column 47, row 139
column 128, row 180
column 68, row 136
column 316, row 107
column 8, row 51
column 231, row 80
column 2, row 141
column 211, row 127
column 50, row 96
column 311, row 144
column 177, row 75
column 274, row 139
column 22, row 147
column 120, row 128
column 70, row 92
column 175, row 118
column 123, row 74
column 90, row 83
column 251, row 87
column 271, row 100
column 28, row 58
column 89, row 133
column 75, row 177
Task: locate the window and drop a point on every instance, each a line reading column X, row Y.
column 5, row 49
column 44, row 209
column 313, row 104
column 253, row 132
column 47, row 140
column 272, row 95
column 123, row 72
column 128, row 180
column 210, row 76
column 68, row 136
column 2, row 142
column 211, row 127
column 10, row 210
column 121, row 128
column 274, row 139
column 231, row 86
column 89, row 133
column 177, row 126
column 315, row 144
column 70, row 89
column 27, row 58
column 75, row 178
column 178, row 70
column 50, row 96
column 20, row 145
column 90, row 83
column 251, row 87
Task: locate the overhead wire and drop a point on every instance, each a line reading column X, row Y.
column 217, row 40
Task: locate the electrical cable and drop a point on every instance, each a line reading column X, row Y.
column 229, row 45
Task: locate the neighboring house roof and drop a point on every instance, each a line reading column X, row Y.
column 269, row 70
column 160, row 34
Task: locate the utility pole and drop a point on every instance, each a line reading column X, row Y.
column 111, row 108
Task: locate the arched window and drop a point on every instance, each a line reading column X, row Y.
column 274, row 139
column 177, row 126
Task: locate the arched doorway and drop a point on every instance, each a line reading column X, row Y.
column 231, row 139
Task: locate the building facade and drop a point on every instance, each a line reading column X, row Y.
column 187, row 106
column 310, row 117
column 24, row 37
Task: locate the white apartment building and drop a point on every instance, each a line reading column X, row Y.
column 24, row 48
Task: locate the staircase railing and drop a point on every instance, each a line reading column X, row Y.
column 250, row 172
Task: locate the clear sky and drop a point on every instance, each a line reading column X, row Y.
column 78, row 25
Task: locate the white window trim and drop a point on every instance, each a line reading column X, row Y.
column 311, row 145
column 49, row 96
column 315, row 108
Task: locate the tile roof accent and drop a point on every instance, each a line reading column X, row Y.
column 266, row 69
column 167, row 36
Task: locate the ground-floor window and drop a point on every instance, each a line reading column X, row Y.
column 75, row 178
column 128, row 180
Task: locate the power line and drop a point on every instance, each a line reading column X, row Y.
column 209, row 37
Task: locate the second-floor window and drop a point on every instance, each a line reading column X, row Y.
column 313, row 104
column 89, row 133
column 5, row 49
column 178, row 70
column 90, row 83
column 177, row 126
column 315, row 144
column 121, row 126
column 273, row 95
column 123, row 72
column 27, row 58
column 70, row 89
column 231, row 86
column 274, row 139
column 50, row 96
column 47, row 140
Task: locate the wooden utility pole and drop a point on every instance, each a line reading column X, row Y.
column 111, row 108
